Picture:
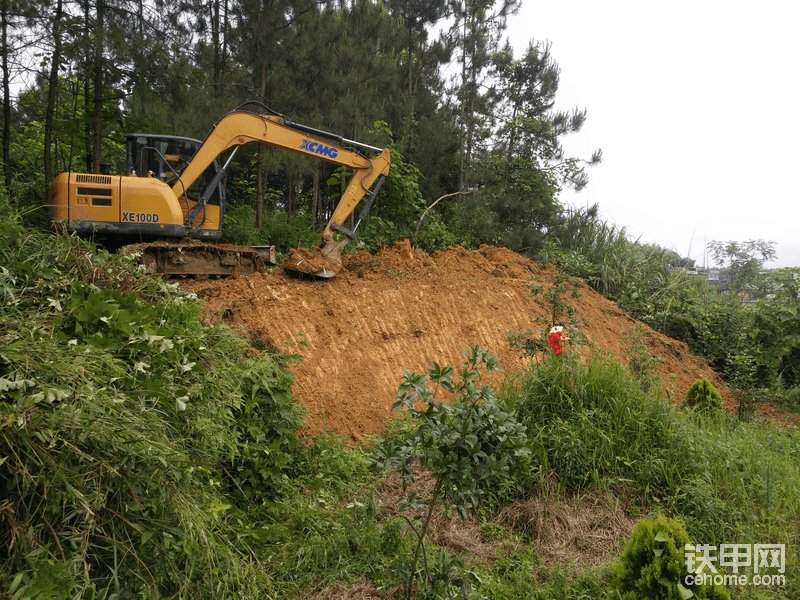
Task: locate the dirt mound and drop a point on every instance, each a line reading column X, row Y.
column 401, row 309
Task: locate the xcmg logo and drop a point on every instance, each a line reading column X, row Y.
column 318, row 148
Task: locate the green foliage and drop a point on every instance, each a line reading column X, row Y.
column 574, row 411
column 789, row 400
column 469, row 444
column 128, row 429
column 589, row 423
column 653, row 564
column 641, row 362
column 559, row 312
column 603, row 255
column 703, row 396
column 742, row 261
column 399, row 210
column 276, row 229
column 751, row 345
column 520, row 198
column 774, row 338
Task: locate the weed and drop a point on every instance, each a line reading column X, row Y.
column 560, row 313
column 641, row 362
column 123, row 456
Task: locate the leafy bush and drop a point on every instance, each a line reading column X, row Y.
column 559, row 313
column 653, row 564
column 470, row 444
column 127, row 429
column 276, row 229
column 775, row 333
column 703, row 396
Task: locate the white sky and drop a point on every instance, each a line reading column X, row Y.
column 696, row 105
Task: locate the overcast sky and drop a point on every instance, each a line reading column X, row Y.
column 696, row 106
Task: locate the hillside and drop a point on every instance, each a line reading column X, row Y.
column 401, row 309
column 126, row 423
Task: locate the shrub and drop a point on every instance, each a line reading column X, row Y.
column 471, row 445
column 653, row 564
column 641, row 362
column 127, row 430
column 703, row 396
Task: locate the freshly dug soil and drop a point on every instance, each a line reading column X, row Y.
column 301, row 260
column 401, row 309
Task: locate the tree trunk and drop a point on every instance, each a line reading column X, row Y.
column 97, row 118
column 215, row 41
column 87, row 88
column 224, row 48
column 52, row 88
column 315, row 193
column 462, row 170
column 6, row 100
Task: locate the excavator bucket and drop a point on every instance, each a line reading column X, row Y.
column 324, row 263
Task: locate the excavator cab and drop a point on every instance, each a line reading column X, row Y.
column 165, row 157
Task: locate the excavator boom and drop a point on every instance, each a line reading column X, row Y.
column 240, row 127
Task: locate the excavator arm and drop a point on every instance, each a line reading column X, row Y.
column 243, row 127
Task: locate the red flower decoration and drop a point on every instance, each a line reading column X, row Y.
column 557, row 340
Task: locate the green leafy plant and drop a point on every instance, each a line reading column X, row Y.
column 641, row 362
column 653, row 564
column 606, row 258
column 129, row 430
column 703, row 396
column 559, row 312
column 468, row 444
column 775, row 334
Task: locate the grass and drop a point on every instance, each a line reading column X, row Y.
column 605, row 256
column 607, row 454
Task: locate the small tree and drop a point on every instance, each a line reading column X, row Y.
column 559, row 313
column 469, row 444
column 703, row 396
column 653, row 565
column 742, row 260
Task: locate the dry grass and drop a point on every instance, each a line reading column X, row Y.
column 460, row 537
column 361, row 590
column 585, row 529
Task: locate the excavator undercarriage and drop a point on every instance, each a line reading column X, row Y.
column 200, row 259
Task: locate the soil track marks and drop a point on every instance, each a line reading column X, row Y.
column 401, row 309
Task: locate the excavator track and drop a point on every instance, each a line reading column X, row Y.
column 199, row 259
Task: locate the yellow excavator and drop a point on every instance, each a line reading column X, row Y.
column 171, row 204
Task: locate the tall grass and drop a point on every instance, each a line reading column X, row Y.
column 589, row 422
column 605, row 255
column 729, row 481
